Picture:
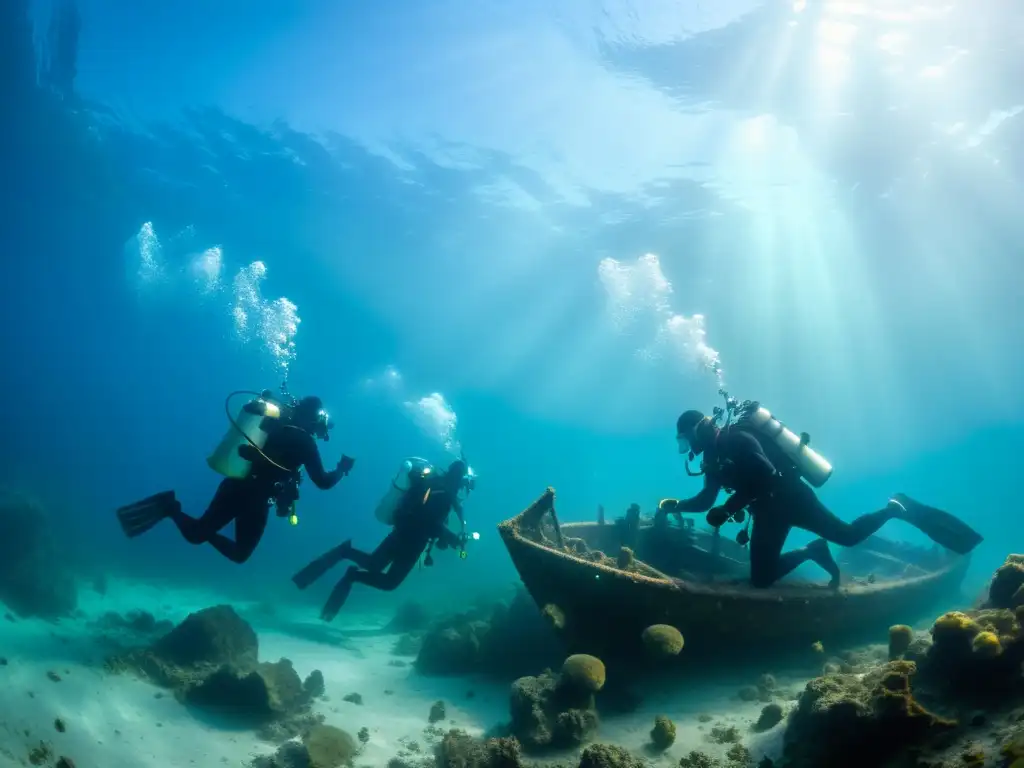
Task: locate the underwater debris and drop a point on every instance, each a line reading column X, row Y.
column 211, row 660
column 353, row 698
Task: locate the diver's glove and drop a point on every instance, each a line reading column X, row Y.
column 345, row 465
column 717, row 516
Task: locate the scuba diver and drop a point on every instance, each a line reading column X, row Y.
column 261, row 456
column 418, row 505
column 767, row 468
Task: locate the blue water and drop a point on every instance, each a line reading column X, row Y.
column 434, row 187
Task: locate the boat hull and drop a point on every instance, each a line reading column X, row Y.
column 606, row 609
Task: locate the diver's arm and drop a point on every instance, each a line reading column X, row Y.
column 321, row 478
column 757, row 470
column 703, row 501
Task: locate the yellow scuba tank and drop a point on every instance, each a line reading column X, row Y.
column 246, row 428
column 400, row 483
column 812, row 466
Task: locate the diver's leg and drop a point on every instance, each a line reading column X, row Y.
column 401, row 552
column 404, row 559
column 767, row 537
column 222, row 510
column 815, row 517
column 249, row 528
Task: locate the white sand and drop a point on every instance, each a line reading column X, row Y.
column 115, row 721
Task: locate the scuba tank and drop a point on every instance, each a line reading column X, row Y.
column 400, row 483
column 246, row 428
column 811, row 465
column 752, row 416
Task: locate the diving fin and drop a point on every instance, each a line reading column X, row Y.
column 137, row 518
column 944, row 529
column 339, row 595
column 322, row 564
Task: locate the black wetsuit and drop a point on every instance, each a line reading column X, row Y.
column 248, row 501
column 778, row 500
column 420, row 520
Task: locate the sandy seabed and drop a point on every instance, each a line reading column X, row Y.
column 53, row 677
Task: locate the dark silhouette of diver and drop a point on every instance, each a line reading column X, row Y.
column 291, row 445
column 765, row 481
column 420, row 521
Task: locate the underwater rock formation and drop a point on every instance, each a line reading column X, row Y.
column 971, row 666
column 322, row 746
column 211, row 660
column 556, row 711
column 34, row 580
column 505, row 641
column 847, row 720
column 410, row 617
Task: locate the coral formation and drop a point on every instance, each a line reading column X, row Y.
column 663, row 734
column 211, row 660
column 973, row 659
column 900, row 637
column 34, row 577
column 662, row 640
column 870, row 717
column 585, row 672
column 557, row 711
column 459, row 750
column 608, row 756
column 1007, row 587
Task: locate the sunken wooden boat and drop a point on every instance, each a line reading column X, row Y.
column 611, row 581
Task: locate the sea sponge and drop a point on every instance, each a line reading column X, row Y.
column 900, row 637
column 554, row 615
column 584, row 672
column 987, row 644
column 663, row 734
column 663, row 640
